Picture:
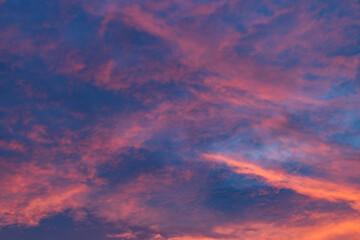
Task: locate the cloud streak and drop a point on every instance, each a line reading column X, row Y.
column 315, row 188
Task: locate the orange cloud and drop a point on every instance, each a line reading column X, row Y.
column 29, row 193
column 315, row 188
column 325, row 227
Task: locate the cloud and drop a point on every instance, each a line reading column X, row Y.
column 320, row 231
column 315, row 188
column 126, row 235
column 106, row 108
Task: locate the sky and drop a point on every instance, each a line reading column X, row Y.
column 180, row 120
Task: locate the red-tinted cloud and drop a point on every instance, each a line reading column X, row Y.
column 181, row 119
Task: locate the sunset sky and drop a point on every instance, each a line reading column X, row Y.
column 179, row 119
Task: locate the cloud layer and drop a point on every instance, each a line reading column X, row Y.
column 179, row 119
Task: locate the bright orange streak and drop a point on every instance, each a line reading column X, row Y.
column 329, row 229
column 315, row 188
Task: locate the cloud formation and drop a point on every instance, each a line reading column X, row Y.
column 179, row 119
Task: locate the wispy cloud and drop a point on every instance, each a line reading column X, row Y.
column 179, row 119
